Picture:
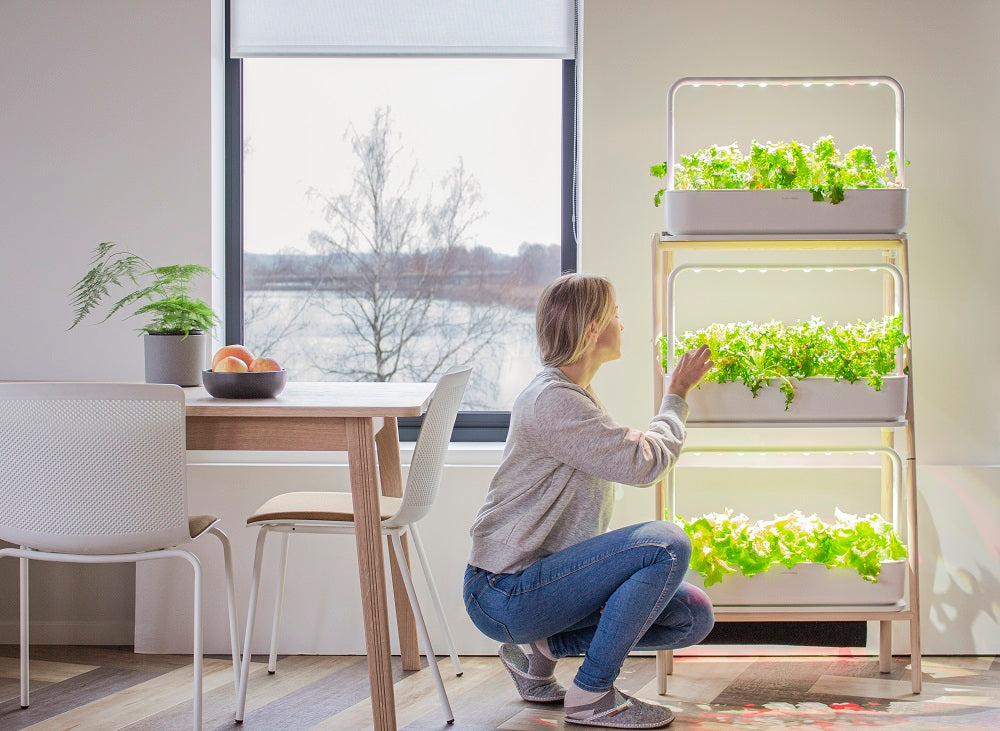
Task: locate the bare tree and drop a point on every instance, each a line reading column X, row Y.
column 270, row 320
column 394, row 259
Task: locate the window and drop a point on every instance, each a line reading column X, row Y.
column 400, row 215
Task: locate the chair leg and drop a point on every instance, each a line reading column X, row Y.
column 404, row 570
column 234, row 638
column 198, row 637
column 25, row 644
column 419, row 546
column 272, row 658
column 241, row 696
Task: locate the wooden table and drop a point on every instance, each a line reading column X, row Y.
column 359, row 418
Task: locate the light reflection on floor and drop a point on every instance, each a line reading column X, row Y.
column 815, row 693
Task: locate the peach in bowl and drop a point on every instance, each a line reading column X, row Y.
column 236, row 373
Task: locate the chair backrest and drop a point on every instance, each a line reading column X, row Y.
column 92, row 467
column 431, row 447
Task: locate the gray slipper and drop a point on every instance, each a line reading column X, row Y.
column 617, row 710
column 531, row 687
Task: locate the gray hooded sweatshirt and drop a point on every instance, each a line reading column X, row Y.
column 555, row 485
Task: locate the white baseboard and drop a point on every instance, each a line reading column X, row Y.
column 70, row 633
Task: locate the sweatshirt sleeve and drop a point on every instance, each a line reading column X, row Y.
column 574, row 430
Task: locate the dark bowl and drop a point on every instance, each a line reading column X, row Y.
column 266, row 384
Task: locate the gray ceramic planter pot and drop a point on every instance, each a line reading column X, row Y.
column 175, row 358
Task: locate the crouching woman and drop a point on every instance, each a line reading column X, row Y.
column 544, row 578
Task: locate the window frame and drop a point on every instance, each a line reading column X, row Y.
column 470, row 426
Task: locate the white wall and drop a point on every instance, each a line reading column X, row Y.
column 105, row 135
column 946, row 58
column 106, row 128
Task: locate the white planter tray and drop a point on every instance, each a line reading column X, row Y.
column 816, row 399
column 696, row 212
column 807, row 584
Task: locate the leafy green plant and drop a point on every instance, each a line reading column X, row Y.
column 162, row 293
column 754, row 354
column 819, row 169
column 724, row 543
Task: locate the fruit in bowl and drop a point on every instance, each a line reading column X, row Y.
column 232, row 351
column 230, row 364
column 236, row 373
column 262, row 365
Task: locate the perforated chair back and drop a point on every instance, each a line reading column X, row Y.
column 92, row 467
column 432, row 445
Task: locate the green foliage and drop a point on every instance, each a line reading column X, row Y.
column 753, row 354
column 165, row 298
column 781, row 166
column 724, row 543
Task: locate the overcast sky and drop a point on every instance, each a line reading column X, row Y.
column 500, row 116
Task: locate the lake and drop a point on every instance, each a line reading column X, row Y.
column 309, row 334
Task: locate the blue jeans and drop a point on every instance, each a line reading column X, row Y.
column 601, row 598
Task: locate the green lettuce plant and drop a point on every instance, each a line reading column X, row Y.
column 753, row 354
column 820, row 169
column 727, row 543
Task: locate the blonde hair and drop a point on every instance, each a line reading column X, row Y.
column 566, row 308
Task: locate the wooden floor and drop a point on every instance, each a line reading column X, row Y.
column 112, row 688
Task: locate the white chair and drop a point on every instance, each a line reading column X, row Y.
column 96, row 473
column 333, row 512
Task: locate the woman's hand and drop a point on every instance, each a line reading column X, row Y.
column 689, row 370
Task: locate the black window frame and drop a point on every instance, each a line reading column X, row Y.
column 471, row 426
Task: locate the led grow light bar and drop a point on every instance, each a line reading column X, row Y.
column 765, row 81
column 670, row 299
column 761, row 451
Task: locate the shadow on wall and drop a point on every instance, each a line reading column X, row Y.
column 960, row 575
column 70, row 603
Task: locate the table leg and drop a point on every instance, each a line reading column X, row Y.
column 391, row 477
column 364, row 489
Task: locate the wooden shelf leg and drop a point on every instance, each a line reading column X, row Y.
column 885, row 646
column 912, row 541
column 664, row 667
column 916, row 667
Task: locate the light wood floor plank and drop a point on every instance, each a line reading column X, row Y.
column 102, row 656
column 44, row 670
column 141, row 700
column 489, row 701
column 958, row 666
column 416, row 695
column 10, row 689
column 153, row 693
column 294, row 673
column 900, row 690
column 56, row 698
column 695, row 680
column 323, row 696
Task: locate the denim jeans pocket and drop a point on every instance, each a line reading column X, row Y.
column 502, row 583
column 472, row 574
column 486, row 624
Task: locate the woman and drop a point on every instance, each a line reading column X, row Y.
column 543, row 572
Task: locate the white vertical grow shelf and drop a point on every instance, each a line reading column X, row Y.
column 726, row 223
column 861, row 606
column 722, row 212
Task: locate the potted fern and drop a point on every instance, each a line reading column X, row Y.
column 176, row 334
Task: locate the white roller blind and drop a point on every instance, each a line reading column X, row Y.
column 511, row 28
